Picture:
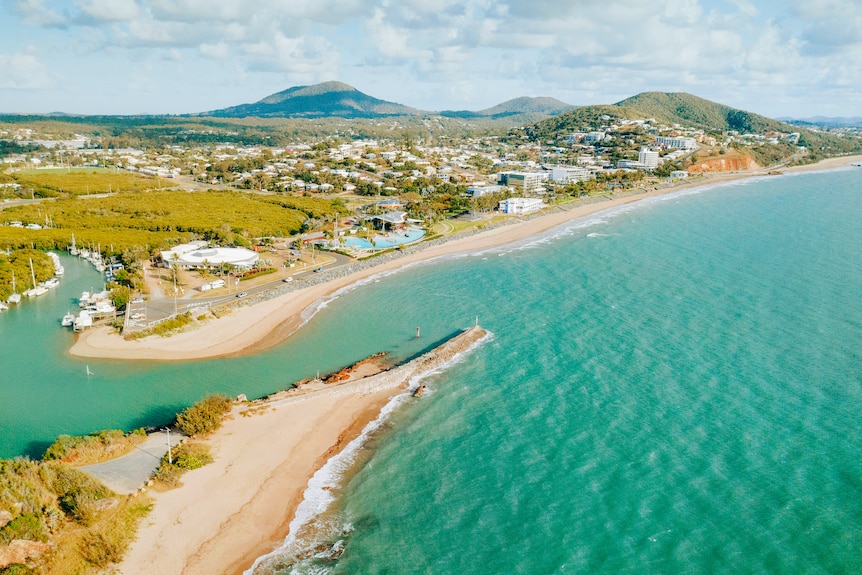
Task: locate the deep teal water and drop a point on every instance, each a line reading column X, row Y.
column 671, row 387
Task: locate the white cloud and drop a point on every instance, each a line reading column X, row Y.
column 34, row 13
column 218, row 51
column 309, row 59
column 111, row 10
column 22, row 72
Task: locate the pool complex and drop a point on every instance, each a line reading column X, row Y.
column 385, row 241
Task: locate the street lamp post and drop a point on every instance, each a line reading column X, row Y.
column 170, row 457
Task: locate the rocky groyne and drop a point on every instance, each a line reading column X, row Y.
column 399, row 376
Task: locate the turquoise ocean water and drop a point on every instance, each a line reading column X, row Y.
column 671, row 387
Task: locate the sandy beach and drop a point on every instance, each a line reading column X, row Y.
column 240, row 507
column 267, row 323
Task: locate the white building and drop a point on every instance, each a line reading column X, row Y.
column 568, row 174
column 649, row 158
column 479, row 191
column 198, row 255
column 517, row 206
column 678, row 142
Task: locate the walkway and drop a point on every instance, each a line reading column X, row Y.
column 130, row 472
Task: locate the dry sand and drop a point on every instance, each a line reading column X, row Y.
column 239, row 508
column 253, row 328
column 229, row 513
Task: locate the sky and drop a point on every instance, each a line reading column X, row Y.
column 796, row 58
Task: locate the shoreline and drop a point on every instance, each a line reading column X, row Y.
column 262, row 325
column 228, row 514
column 257, row 327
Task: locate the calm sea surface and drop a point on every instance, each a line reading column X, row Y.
column 671, row 387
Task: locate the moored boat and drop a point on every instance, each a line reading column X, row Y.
column 68, row 320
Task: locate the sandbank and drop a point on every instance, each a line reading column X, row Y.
column 262, row 325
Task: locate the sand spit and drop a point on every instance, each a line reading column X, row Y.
column 239, row 508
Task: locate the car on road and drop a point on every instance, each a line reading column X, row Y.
column 286, row 280
column 320, row 269
column 242, row 294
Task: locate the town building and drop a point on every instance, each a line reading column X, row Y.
column 517, row 206
column 678, row 142
column 524, row 182
column 568, row 174
column 649, row 158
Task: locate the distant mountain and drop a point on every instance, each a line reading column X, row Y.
column 855, row 121
column 524, row 105
column 337, row 99
column 320, row 100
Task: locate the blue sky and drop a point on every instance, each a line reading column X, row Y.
column 775, row 57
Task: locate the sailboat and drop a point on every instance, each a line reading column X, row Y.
column 89, row 373
column 73, row 249
column 15, row 297
column 36, row 289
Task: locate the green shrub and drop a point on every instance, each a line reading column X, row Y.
column 103, row 547
column 27, row 526
column 205, row 416
column 192, row 456
column 186, row 457
column 16, row 569
column 78, row 493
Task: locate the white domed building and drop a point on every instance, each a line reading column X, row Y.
column 196, row 255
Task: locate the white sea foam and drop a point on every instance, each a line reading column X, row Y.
column 318, row 496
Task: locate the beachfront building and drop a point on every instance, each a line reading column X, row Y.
column 518, row 206
column 197, row 255
column 649, row 158
column 390, row 220
column 524, row 182
column 568, row 174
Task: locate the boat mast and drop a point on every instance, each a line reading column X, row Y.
column 32, row 273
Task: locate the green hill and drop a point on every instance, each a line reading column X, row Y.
column 688, row 112
column 320, row 100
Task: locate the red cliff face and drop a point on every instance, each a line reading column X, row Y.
column 723, row 164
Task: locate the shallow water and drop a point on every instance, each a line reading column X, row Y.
column 672, row 387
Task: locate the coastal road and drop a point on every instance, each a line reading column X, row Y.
column 158, row 308
column 130, row 472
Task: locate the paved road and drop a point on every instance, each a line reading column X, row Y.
column 156, row 309
column 130, row 472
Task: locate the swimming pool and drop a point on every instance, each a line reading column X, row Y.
column 385, row 241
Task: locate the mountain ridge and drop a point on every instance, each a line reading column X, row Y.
column 338, row 99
